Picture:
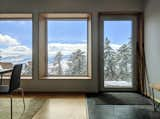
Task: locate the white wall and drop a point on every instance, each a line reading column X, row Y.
column 152, row 40
column 91, row 6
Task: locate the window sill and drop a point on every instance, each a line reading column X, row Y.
column 65, row 78
column 23, row 78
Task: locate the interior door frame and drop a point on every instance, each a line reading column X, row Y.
column 102, row 18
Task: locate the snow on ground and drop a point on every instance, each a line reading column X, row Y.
column 115, row 46
column 1, row 67
column 117, row 84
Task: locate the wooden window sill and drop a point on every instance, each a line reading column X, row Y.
column 65, row 78
column 23, row 78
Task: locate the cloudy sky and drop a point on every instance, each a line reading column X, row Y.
column 16, row 36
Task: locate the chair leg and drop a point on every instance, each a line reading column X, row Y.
column 11, row 106
column 154, row 102
column 22, row 92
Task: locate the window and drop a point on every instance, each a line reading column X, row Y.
column 68, row 45
column 16, row 41
column 118, row 51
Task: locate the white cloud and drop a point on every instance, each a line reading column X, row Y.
column 19, row 50
column 13, row 47
column 66, row 49
column 8, row 40
column 18, row 22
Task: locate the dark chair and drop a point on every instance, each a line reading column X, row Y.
column 13, row 85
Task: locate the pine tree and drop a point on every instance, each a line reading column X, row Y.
column 109, row 61
column 124, row 59
column 27, row 68
column 57, row 67
column 77, row 63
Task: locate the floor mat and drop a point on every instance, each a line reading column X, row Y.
column 125, row 112
column 121, row 98
column 121, row 111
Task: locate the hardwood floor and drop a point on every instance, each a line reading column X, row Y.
column 79, row 106
column 64, row 107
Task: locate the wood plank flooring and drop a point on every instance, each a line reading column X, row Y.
column 64, row 107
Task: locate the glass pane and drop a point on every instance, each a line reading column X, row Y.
column 67, row 47
column 16, row 44
column 117, row 53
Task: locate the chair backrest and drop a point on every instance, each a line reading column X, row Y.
column 15, row 77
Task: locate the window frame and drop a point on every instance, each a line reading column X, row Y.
column 114, row 17
column 44, row 17
column 19, row 17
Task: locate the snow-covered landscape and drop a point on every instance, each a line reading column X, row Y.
column 117, row 84
column 67, row 59
column 71, row 59
column 117, row 65
column 67, row 53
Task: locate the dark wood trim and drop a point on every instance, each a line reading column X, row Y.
column 141, row 54
column 120, row 13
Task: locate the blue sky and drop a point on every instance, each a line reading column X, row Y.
column 64, row 31
column 20, row 30
column 118, row 32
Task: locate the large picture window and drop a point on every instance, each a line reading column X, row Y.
column 16, row 43
column 68, row 51
column 67, row 47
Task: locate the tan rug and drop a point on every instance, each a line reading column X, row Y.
column 64, row 107
column 46, row 107
column 32, row 107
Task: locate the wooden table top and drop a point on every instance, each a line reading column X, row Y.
column 155, row 86
column 5, row 71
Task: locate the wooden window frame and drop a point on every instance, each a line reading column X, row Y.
column 134, row 17
column 14, row 17
column 43, row 43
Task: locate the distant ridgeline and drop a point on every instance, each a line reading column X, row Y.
column 6, row 65
column 26, row 70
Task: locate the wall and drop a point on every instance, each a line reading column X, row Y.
column 91, row 6
column 152, row 40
